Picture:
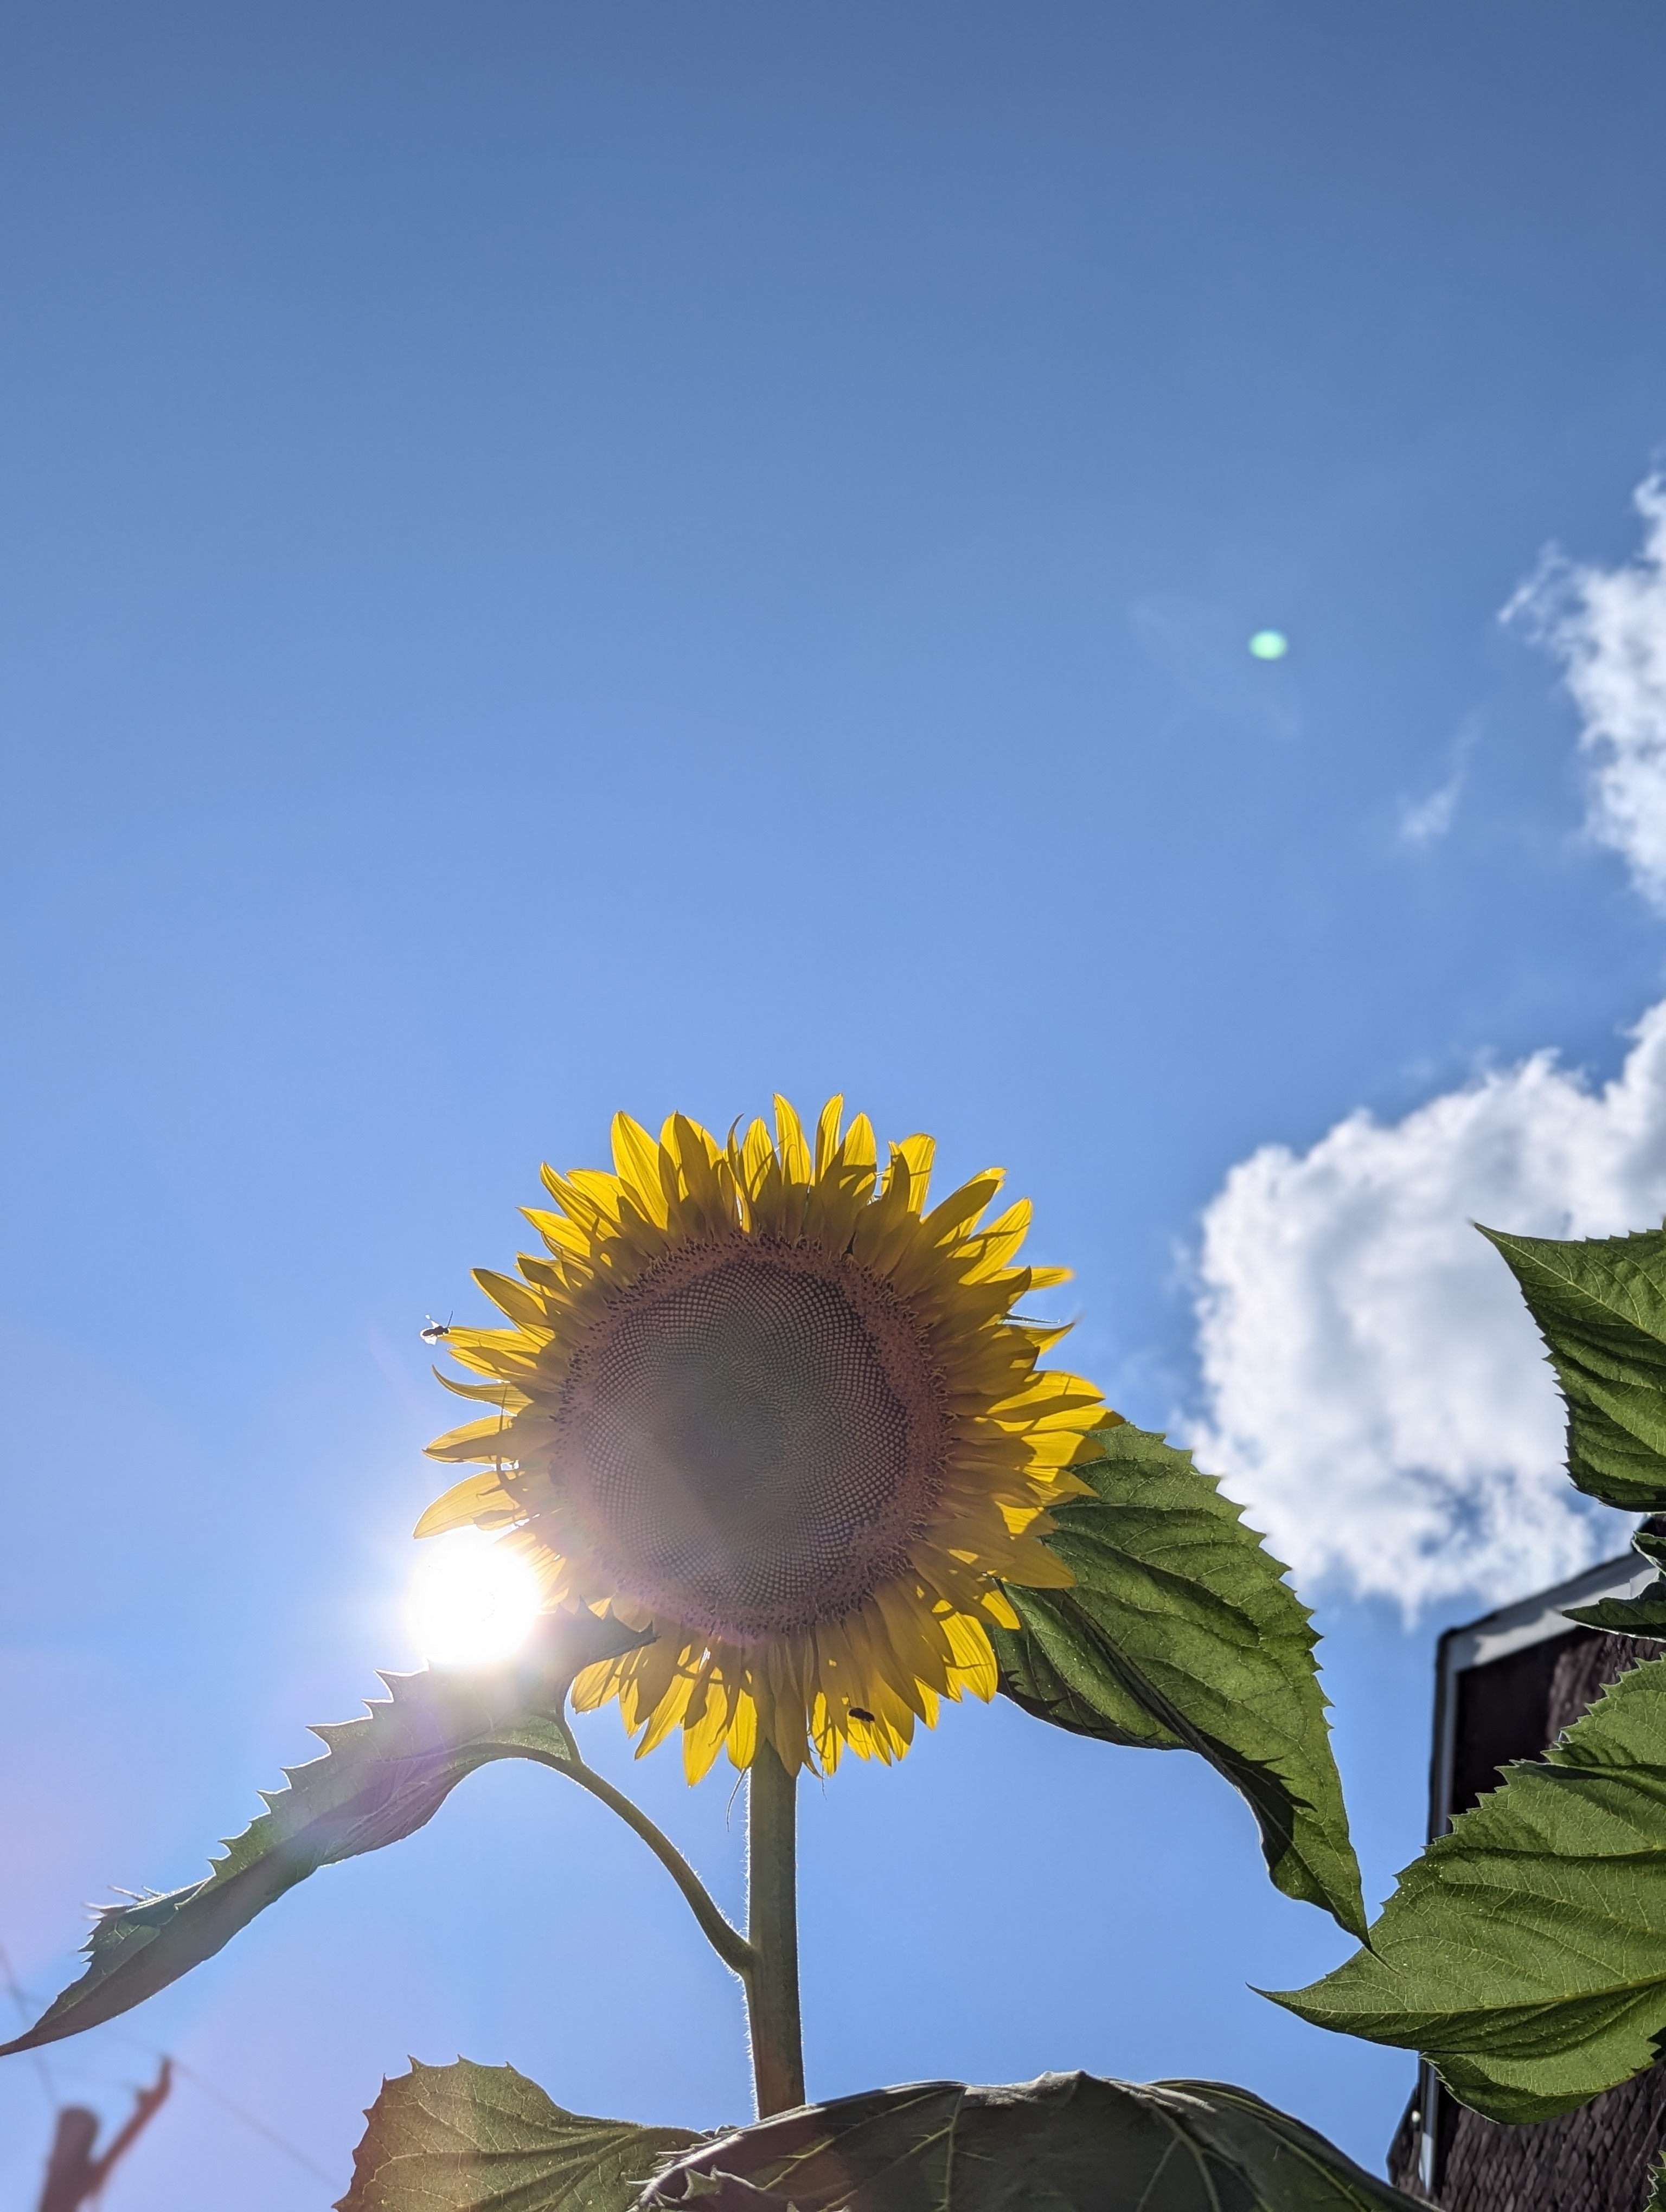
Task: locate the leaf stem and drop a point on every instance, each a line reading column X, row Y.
column 766, row 1957
column 772, row 1926
column 730, row 1945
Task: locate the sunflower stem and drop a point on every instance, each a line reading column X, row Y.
column 772, row 1929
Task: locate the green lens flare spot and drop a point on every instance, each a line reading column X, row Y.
column 1269, row 645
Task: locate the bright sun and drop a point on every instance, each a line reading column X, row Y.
column 470, row 1601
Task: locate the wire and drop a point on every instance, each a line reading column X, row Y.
column 25, row 2000
column 20, row 1999
column 219, row 2097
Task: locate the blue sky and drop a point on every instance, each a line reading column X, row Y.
column 562, row 558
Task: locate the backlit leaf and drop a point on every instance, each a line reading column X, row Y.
column 1182, row 1632
column 468, row 2138
column 1067, row 2142
column 382, row 1778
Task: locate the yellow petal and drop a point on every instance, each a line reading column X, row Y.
column 975, row 1657
column 862, row 1148
column 1000, row 1608
column 492, row 1439
column 827, row 1136
column 519, row 1300
column 789, row 1136
column 742, row 1731
column 636, row 1158
column 962, row 1207
column 477, row 1501
column 919, row 1152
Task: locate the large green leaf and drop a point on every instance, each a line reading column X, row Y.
column 1525, row 1953
column 1601, row 1307
column 1182, row 1632
column 381, row 1779
column 467, row 2138
column 1067, row 2142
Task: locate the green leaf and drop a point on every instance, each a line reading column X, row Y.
column 1642, row 1615
column 1067, row 2142
column 1601, row 1307
column 1658, row 2191
column 381, row 1779
column 467, row 2138
column 1524, row 1954
column 1182, row 1632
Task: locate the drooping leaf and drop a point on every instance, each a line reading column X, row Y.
column 1601, row 1307
column 1182, row 1632
column 468, row 2138
column 1067, row 2142
column 1524, row 1954
column 381, row 1777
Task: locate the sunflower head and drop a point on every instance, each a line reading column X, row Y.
column 755, row 1398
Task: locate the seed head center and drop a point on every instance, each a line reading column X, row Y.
column 752, row 1437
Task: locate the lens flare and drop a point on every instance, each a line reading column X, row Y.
column 1269, row 645
column 471, row 1602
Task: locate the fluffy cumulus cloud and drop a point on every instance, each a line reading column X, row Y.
column 1375, row 1389
column 1373, row 1386
column 1608, row 626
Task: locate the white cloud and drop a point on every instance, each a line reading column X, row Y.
column 1374, row 1390
column 1426, row 821
column 1373, row 1386
column 1608, row 628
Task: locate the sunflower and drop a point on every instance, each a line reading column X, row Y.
column 757, row 1403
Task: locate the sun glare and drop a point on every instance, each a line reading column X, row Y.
column 470, row 1601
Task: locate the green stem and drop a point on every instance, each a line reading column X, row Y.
column 766, row 1957
column 730, row 1945
column 772, row 1928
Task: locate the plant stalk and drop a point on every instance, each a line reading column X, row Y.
column 772, row 1930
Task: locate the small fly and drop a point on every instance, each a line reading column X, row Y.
column 436, row 1330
